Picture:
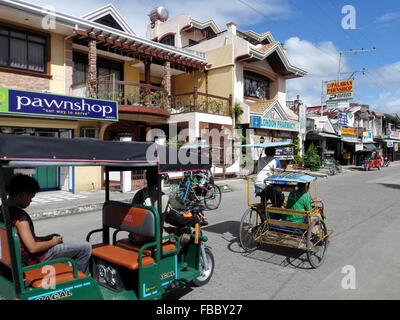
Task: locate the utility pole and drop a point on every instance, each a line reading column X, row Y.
column 351, row 51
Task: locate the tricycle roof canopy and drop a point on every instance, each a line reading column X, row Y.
column 30, row 151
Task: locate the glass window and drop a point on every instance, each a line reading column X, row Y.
column 36, row 57
column 18, row 54
column 22, row 50
column 169, row 40
column 256, row 86
column 3, row 51
column 80, row 72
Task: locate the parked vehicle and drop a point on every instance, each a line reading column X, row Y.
column 119, row 269
column 193, row 188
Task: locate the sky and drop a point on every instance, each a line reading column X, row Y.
column 313, row 32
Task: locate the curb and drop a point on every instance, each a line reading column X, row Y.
column 39, row 214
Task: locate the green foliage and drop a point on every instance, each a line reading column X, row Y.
column 312, row 159
column 297, row 159
column 238, row 111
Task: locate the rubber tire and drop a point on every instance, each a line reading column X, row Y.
column 204, row 279
column 244, row 234
column 217, row 193
column 309, row 243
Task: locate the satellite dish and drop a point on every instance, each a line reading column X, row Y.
column 160, row 13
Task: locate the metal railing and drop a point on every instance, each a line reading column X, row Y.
column 128, row 93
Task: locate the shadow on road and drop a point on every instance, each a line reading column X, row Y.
column 276, row 255
column 390, row 185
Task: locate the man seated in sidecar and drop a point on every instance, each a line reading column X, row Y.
column 300, row 200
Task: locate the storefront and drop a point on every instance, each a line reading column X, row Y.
column 55, row 116
column 350, row 139
column 272, row 130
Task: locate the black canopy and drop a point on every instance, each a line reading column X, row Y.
column 31, row 151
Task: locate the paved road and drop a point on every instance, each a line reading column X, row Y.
column 362, row 207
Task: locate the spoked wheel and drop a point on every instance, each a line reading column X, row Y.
column 249, row 226
column 206, row 268
column 214, row 200
column 317, row 243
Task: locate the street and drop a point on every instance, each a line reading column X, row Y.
column 362, row 259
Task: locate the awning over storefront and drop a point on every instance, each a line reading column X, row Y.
column 351, row 139
column 328, row 135
column 369, row 147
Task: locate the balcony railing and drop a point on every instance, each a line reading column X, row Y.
column 201, row 102
column 128, row 93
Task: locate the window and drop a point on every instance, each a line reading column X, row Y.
column 193, row 42
column 169, row 40
column 104, row 67
column 89, row 133
column 256, row 86
column 22, row 50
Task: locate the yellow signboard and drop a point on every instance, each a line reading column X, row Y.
column 348, row 131
column 339, row 86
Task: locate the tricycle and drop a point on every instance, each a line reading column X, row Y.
column 118, row 269
column 371, row 160
column 275, row 222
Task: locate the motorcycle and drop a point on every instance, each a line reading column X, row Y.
column 207, row 262
column 385, row 162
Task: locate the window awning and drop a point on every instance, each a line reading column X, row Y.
column 328, row 135
column 351, row 139
column 369, row 147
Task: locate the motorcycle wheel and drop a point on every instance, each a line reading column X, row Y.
column 206, row 270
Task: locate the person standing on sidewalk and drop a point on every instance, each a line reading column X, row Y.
column 34, row 249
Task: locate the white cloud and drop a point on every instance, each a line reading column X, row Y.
column 320, row 60
column 388, row 17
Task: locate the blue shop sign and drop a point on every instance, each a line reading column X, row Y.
column 259, row 122
column 17, row 102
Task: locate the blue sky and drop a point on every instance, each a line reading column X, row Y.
column 310, row 30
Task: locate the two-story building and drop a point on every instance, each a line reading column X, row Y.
column 56, row 70
column 252, row 67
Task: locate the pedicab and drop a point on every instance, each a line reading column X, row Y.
column 371, row 159
column 118, row 269
column 270, row 223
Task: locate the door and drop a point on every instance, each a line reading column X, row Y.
column 46, row 176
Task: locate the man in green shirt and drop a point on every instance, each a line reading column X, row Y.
column 298, row 200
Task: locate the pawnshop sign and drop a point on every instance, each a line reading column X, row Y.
column 19, row 102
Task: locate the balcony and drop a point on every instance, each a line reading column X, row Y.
column 135, row 97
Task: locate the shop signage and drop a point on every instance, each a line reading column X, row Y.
column 367, row 137
column 394, row 135
column 342, row 119
column 358, row 147
column 339, row 96
column 17, row 102
column 349, row 132
column 339, row 87
column 273, row 124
